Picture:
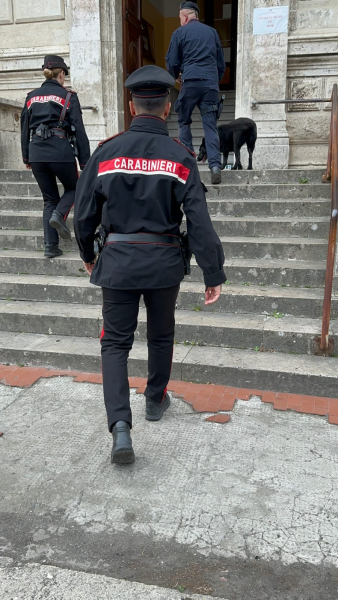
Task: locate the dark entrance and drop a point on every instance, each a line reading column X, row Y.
column 147, row 31
column 222, row 15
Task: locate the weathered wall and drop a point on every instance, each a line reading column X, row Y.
column 261, row 75
column 29, row 31
column 10, row 148
column 87, row 34
column 312, row 70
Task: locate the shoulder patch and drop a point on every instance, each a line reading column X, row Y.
column 183, row 146
column 110, row 138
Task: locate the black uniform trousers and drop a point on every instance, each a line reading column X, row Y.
column 198, row 93
column 120, row 313
column 45, row 174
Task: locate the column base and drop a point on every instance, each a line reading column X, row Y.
column 272, row 153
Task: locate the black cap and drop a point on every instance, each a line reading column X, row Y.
column 52, row 61
column 190, row 6
column 150, row 82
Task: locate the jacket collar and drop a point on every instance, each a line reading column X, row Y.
column 53, row 81
column 149, row 124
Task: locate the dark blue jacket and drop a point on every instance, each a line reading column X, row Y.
column 195, row 51
column 141, row 182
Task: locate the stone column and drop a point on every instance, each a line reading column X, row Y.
column 95, row 49
column 262, row 75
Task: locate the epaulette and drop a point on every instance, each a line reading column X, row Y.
column 70, row 90
column 110, row 138
column 180, row 143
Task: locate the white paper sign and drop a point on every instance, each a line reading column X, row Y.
column 271, row 20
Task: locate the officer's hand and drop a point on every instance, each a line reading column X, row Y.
column 28, row 167
column 90, row 266
column 212, row 294
column 179, row 79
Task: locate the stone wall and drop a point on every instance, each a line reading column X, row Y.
column 261, row 75
column 312, row 71
column 29, row 31
column 10, row 145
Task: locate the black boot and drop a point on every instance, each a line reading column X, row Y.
column 52, row 250
column 155, row 410
column 122, row 452
column 57, row 221
column 216, row 176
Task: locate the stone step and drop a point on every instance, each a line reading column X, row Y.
column 235, row 298
column 269, row 176
column 281, row 334
column 228, row 226
column 234, row 247
column 303, row 249
column 217, row 207
column 311, row 175
column 282, row 191
column 226, row 191
column 260, row 208
column 271, row 227
column 240, row 299
column 311, row 375
column 268, row 272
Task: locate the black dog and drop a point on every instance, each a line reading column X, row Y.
column 232, row 137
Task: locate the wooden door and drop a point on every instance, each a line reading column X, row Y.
column 132, row 47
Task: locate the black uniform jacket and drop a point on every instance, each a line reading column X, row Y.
column 44, row 105
column 195, row 51
column 140, row 181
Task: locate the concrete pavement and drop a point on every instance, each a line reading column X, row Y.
column 245, row 510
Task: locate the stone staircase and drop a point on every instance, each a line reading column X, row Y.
column 273, row 226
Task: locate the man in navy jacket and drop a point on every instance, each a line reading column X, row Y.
column 195, row 58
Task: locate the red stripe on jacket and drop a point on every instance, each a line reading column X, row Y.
column 144, row 166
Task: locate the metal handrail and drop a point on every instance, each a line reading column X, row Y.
column 331, row 175
column 93, row 108
column 256, row 103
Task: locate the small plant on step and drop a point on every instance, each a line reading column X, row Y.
column 197, row 308
column 303, row 181
column 277, row 315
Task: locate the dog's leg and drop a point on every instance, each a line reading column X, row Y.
column 250, row 159
column 238, row 164
column 251, row 147
column 225, row 160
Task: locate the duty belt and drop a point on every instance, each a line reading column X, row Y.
column 62, row 133
column 59, row 132
column 144, row 238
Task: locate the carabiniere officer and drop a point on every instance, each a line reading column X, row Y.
column 138, row 183
column 52, row 134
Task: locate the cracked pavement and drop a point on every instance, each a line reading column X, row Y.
column 243, row 510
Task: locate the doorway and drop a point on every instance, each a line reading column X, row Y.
column 147, row 29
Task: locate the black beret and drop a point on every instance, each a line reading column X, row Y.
column 52, row 61
column 150, row 81
column 190, row 6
